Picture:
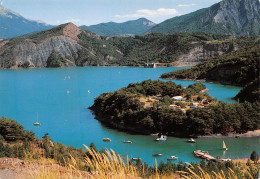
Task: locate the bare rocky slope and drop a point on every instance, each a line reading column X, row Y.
column 35, row 50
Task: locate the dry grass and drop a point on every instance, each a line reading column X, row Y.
column 110, row 165
column 192, row 174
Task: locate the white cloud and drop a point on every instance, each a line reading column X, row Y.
column 186, row 5
column 150, row 13
column 72, row 20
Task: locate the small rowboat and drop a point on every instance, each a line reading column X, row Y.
column 107, row 140
column 157, row 155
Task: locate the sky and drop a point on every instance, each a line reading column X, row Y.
column 90, row 12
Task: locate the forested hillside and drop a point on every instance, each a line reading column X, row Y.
column 129, row 28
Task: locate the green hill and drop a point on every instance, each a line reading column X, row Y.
column 129, row 28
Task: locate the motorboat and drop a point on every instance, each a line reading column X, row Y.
column 191, row 140
column 157, row 155
column 127, row 141
column 172, row 158
column 107, row 140
column 138, row 158
column 162, row 138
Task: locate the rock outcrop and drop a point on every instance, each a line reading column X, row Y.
column 34, row 51
column 37, row 54
column 205, row 52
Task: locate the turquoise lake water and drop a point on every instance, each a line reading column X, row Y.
column 24, row 93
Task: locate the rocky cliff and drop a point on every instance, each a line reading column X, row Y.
column 205, row 52
column 34, row 51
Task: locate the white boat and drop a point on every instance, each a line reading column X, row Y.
column 157, row 155
column 88, row 91
column 138, row 158
column 127, row 141
column 37, row 123
column 225, row 147
column 191, row 140
column 107, row 140
column 162, row 138
column 172, row 158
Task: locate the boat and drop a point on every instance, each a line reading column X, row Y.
column 107, row 140
column 138, row 158
column 172, row 158
column 127, row 141
column 225, row 147
column 162, row 138
column 37, row 123
column 191, row 140
column 157, row 155
column 88, row 91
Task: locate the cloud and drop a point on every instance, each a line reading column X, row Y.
column 72, row 20
column 186, row 5
column 149, row 13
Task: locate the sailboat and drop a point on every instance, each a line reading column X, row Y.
column 37, row 123
column 225, row 147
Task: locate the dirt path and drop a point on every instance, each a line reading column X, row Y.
column 13, row 168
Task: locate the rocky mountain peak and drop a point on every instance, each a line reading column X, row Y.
column 6, row 12
column 72, row 31
column 237, row 12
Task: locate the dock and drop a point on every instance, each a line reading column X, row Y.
column 204, row 155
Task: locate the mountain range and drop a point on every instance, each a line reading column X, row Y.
column 233, row 17
column 229, row 17
column 129, row 28
column 13, row 24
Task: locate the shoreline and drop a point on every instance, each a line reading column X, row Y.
column 134, row 131
column 248, row 134
column 140, row 66
column 204, row 80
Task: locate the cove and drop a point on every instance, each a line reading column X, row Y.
column 61, row 104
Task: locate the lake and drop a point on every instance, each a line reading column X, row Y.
column 61, row 98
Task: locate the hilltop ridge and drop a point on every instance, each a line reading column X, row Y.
column 128, row 28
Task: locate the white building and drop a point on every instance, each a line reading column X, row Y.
column 178, row 98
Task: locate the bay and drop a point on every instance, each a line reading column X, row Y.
column 61, row 98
